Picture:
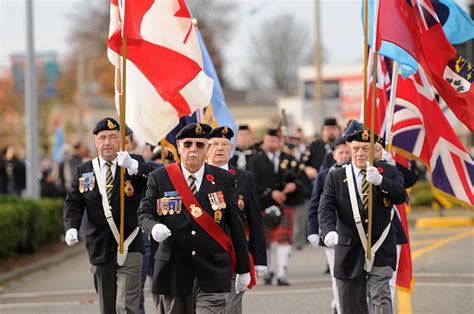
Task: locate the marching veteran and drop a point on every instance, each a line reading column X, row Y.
column 218, row 155
column 343, row 221
column 190, row 209
column 96, row 188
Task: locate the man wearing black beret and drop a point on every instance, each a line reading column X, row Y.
column 96, row 188
column 190, row 209
column 343, row 214
column 244, row 148
column 247, row 201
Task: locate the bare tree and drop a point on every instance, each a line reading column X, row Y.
column 277, row 50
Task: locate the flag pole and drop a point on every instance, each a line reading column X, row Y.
column 372, row 127
column 123, row 86
column 391, row 105
column 366, row 56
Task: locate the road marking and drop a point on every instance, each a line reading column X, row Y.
column 440, row 243
column 404, row 301
column 38, row 304
column 46, row 293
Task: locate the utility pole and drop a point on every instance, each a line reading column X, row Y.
column 318, row 80
column 31, row 101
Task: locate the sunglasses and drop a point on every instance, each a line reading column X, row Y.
column 199, row 145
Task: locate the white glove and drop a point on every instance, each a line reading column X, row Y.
column 260, row 270
column 331, row 239
column 241, row 282
column 314, row 239
column 387, row 156
column 124, row 160
column 273, row 208
column 373, row 175
column 71, row 237
column 160, row 232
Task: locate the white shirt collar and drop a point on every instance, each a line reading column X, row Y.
column 356, row 169
column 198, row 174
column 224, row 166
column 102, row 162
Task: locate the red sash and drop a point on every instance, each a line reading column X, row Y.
column 204, row 220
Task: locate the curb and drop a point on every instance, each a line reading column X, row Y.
column 54, row 259
column 443, row 222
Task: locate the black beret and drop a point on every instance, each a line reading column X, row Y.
column 128, row 131
column 243, row 127
column 273, row 132
column 338, row 141
column 222, row 132
column 353, row 127
column 106, row 124
column 330, row 121
column 363, row 136
column 157, row 155
column 194, row 130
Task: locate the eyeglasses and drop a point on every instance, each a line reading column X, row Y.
column 199, row 145
column 111, row 138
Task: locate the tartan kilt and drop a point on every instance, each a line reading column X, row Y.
column 284, row 231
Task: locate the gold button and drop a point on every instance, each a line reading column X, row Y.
column 366, row 221
column 193, row 253
column 193, row 232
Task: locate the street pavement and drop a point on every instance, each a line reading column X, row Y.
column 443, row 264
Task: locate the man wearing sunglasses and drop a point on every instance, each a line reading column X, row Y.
column 190, row 209
column 218, row 154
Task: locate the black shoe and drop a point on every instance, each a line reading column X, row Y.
column 268, row 278
column 283, row 282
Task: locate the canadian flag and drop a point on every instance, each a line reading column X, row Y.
column 164, row 75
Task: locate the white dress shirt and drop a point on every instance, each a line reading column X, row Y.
column 359, row 176
column 275, row 158
column 198, row 174
column 104, row 167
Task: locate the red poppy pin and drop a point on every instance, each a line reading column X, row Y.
column 210, row 178
column 380, row 169
column 232, row 171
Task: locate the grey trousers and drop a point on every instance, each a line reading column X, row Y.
column 378, row 288
column 119, row 286
column 375, row 284
column 197, row 301
column 300, row 224
column 234, row 300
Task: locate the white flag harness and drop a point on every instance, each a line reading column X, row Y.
column 358, row 222
column 121, row 258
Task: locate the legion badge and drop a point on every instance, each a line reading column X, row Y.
column 195, row 211
column 86, row 182
column 128, row 188
column 386, row 202
column 110, row 124
column 365, row 135
column 218, row 216
column 240, row 202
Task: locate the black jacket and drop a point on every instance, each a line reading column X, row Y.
column 267, row 180
column 250, row 212
column 335, row 214
column 100, row 242
column 175, row 265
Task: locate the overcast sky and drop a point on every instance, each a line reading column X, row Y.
column 341, row 28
